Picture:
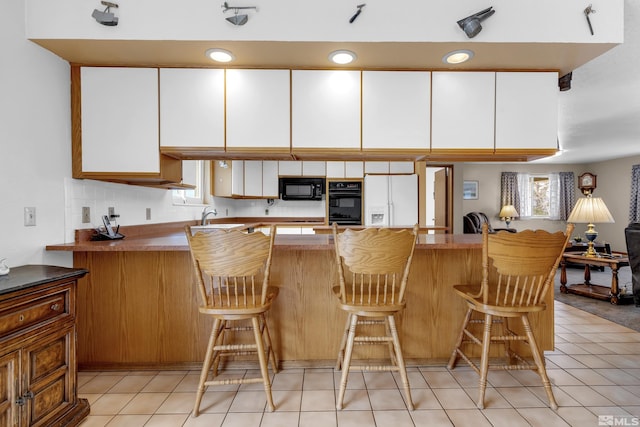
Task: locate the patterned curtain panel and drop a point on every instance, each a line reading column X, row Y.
column 634, row 203
column 509, row 193
column 567, row 195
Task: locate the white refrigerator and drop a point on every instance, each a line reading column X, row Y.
column 391, row 200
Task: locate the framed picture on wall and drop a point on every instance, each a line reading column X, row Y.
column 470, row 190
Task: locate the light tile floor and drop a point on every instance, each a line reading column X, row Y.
column 595, row 371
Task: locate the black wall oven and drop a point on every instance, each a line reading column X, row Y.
column 344, row 200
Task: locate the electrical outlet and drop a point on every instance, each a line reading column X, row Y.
column 112, row 212
column 29, row 216
column 86, row 214
column 148, row 213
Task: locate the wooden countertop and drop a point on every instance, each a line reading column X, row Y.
column 177, row 241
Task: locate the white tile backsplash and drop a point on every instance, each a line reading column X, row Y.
column 131, row 202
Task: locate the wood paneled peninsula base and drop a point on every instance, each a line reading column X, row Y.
column 588, row 289
column 138, row 307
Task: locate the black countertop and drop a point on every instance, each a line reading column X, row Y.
column 33, row 275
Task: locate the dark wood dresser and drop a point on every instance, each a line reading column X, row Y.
column 38, row 366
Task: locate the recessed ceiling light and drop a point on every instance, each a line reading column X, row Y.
column 220, row 55
column 457, row 56
column 342, row 57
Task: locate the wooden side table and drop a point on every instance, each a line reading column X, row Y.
column 613, row 261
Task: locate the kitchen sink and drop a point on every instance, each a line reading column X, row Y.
column 196, row 228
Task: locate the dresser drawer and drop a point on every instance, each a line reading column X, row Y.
column 29, row 312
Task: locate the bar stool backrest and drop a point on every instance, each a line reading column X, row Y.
column 373, row 264
column 519, row 268
column 232, row 266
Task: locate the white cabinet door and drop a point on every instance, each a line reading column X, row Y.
column 258, row 109
column 526, row 110
column 325, row 109
column 313, row 168
column 463, row 106
column 191, row 107
column 191, row 170
column 120, row 120
column 354, row 169
column 290, row 168
column 376, row 167
column 253, row 178
column 237, row 178
column 396, row 109
column 335, row 170
column 401, row 167
column 270, row 179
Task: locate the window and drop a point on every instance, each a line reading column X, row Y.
column 539, row 195
column 192, row 174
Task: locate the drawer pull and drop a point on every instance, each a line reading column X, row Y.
column 55, row 307
column 28, row 394
column 21, row 318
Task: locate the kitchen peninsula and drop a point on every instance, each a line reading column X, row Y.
column 138, row 306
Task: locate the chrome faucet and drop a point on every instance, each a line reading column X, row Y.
column 205, row 213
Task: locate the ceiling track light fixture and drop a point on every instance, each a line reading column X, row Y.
column 355, row 15
column 471, row 24
column 588, row 11
column 106, row 17
column 237, row 19
column 564, row 82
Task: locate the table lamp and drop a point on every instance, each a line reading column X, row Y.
column 590, row 210
column 508, row 212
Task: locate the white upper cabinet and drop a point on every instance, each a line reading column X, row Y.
column 119, row 114
column 313, row 168
column 463, row 110
column 258, row 109
column 253, row 178
column 270, row 179
column 396, row 109
column 290, row 168
column 325, row 109
column 191, row 107
column 526, row 110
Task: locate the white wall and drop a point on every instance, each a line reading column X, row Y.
column 35, row 140
column 35, row 158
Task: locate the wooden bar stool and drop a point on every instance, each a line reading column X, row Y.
column 517, row 271
column 377, row 263
column 232, row 275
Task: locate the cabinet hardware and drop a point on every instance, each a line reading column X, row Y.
column 55, row 307
column 28, row 394
column 21, row 318
column 20, row 401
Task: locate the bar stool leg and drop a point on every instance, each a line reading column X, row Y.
column 346, row 363
column 206, row 365
column 343, row 343
column 400, row 360
column 263, row 362
column 537, row 357
column 484, row 361
column 454, row 355
column 270, row 352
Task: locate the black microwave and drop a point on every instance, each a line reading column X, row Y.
column 297, row 188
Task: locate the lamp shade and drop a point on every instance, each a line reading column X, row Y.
column 590, row 210
column 508, row 211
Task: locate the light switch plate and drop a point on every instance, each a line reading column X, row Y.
column 29, row 216
column 86, row 214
